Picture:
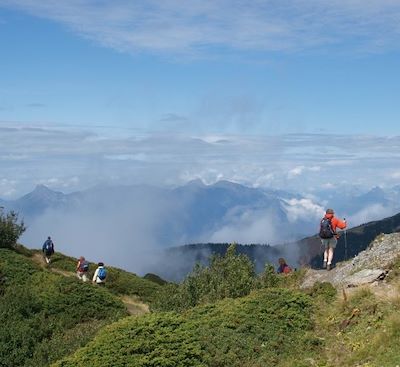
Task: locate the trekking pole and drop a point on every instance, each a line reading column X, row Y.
column 345, row 243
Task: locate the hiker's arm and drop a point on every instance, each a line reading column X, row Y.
column 95, row 275
column 341, row 223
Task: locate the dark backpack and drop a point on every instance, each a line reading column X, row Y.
column 49, row 247
column 325, row 229
column 102, row 273
column 84, row 267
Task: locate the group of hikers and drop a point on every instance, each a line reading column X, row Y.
column 327, row 233
column 82, row 267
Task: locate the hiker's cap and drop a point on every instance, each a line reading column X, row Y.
column 330, row 211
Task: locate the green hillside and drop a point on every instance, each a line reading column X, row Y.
column 277, row 324
column 119, row 282
column 221, row 315
column 262, row 329
column 44, row 315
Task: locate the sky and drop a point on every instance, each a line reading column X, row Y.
column 286, row 94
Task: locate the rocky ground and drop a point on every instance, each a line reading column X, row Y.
column 369, row 267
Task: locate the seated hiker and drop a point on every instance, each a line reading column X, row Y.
column 100, row 274
column 48, row 249
column 283, row 268
column 82, row 269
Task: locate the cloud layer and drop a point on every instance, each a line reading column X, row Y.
column 68, row 160
column 199, row 27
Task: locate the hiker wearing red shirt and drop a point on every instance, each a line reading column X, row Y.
column 283, row 268
column 328, row 235
column 82, row 269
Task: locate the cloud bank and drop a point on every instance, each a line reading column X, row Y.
column 68, row 160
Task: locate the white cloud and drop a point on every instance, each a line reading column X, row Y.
column 57, row 182
column 7, row 188
column 303, row 209
column 370, row 213
column 127, row 157
column 250, row 227
column 299, row 170
column 191, row 26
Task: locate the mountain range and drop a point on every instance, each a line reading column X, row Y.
column 128, row 225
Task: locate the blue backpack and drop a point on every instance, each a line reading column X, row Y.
column 102, row 273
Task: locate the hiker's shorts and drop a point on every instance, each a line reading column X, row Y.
column 329, row 242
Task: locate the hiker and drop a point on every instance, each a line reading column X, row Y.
column 283, row 268
column 100, row 274
column 82, row 268
column 48, row 249
column 329, row 236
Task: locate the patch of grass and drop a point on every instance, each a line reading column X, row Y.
column 362, row 331
column 324, row 290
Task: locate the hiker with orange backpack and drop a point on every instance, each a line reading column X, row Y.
column 327, row 233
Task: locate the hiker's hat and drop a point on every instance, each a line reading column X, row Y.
column 330, row 211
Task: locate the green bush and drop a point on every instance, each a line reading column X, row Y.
column 228, row 276
column 266, row 328
column 10, row 229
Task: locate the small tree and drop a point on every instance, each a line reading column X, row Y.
column 10, row 229
column 230, row 276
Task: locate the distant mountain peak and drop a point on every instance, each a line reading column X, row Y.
column 198, row 182
column 41, row 189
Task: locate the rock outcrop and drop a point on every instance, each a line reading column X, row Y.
column 370, row 265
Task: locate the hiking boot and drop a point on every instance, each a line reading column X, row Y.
column 328, row 267
column 324, row 264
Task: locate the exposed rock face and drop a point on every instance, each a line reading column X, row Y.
column 368, row 266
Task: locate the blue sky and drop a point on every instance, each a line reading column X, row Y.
column 174, row 73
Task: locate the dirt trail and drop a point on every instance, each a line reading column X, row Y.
column 38, row 259
column 132, row 303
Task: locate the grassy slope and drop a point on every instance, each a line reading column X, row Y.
column 271, row 327
column 267, row 328
column 44, row 315
column 362, row 329
column 119, row 282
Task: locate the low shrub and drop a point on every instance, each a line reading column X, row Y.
column 266, row 328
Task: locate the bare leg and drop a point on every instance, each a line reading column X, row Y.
column 326, row 255
column 330, row 255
